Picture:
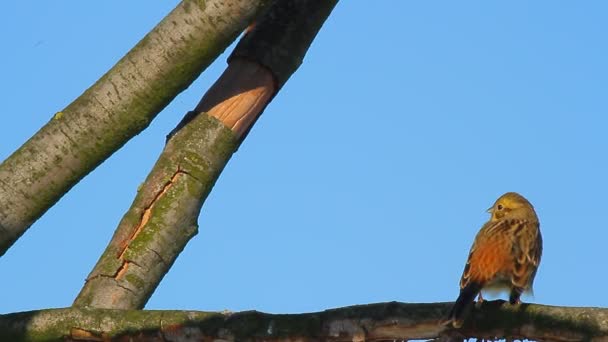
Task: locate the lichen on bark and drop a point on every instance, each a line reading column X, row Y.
column 116, row 108
column 162, row 218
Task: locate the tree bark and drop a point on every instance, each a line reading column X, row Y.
column 117, row 107
column 374, row 322
column 163, row 216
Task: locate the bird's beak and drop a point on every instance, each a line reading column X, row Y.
column 489, row 209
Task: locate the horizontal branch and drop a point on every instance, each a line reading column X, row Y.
column 373, row 322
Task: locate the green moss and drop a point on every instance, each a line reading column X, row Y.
column 139, row 245
column 135, row 280
column 109, row 263
column 50, row 334
column 195, row 165
column 85, row 298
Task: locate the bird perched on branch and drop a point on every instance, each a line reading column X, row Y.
column 505, row 255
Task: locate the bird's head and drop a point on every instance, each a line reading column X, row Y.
column 512, row 205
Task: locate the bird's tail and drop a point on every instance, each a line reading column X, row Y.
column 462, row 304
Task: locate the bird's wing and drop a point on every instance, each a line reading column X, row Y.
column 489, row 255
column 527, row 250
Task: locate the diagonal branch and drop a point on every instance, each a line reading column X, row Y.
column 374, row 322
column 116, row 108
column 164, row 214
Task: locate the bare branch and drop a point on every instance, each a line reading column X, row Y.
column 163, row 217
column 373, row 322
column 117, row 107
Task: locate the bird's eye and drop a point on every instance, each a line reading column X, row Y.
column 499, row 207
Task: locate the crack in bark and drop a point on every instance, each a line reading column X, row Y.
column 125, row 288
column 147, row 212
column 158, row 255
column 121, row 270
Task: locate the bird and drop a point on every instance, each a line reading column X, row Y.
column 505, row 255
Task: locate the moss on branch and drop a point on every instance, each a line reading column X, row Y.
column 373, row 322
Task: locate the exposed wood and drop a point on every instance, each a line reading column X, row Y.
column 116, row 108
column 239, row 95
column 163, row 216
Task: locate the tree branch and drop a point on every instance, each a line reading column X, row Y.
column 116, row 108
column 373, row 322
column 163, row 216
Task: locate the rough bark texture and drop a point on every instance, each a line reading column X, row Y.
column 117, row 107
column 163, row 217
column 375, row 322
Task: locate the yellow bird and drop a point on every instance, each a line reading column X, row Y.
column 505, row 255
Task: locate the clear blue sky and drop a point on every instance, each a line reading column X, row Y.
column 367, row 177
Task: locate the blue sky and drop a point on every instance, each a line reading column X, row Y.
column 367, row 177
